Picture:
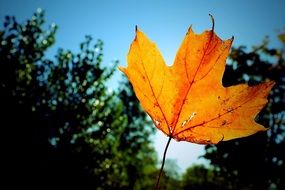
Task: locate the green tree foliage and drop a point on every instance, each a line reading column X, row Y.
column 86, row 118
column 256, row 162
column 60, row 123
column 200, row 177
column 139, row 154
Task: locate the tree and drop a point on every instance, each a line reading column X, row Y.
column 86, row 119
column 22, row 50
column 255, row 162
column 199, row 177
column 61, row 123
column 139, row 155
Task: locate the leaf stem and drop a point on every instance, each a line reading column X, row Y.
column 163, row 161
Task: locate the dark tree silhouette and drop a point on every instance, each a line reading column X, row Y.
column 22, row 50
column 60, row 124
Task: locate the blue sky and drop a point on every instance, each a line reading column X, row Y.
column 165, row 22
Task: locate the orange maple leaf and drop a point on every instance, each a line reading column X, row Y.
column 187, row 101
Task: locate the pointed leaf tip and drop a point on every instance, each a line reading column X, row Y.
column 189, row 29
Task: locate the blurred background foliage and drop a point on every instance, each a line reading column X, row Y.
column 61, row 125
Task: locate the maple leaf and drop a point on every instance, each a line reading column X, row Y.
column 187, row 101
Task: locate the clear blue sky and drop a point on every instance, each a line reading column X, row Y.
column 165, row 22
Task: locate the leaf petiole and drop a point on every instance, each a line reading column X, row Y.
column 163, row 161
